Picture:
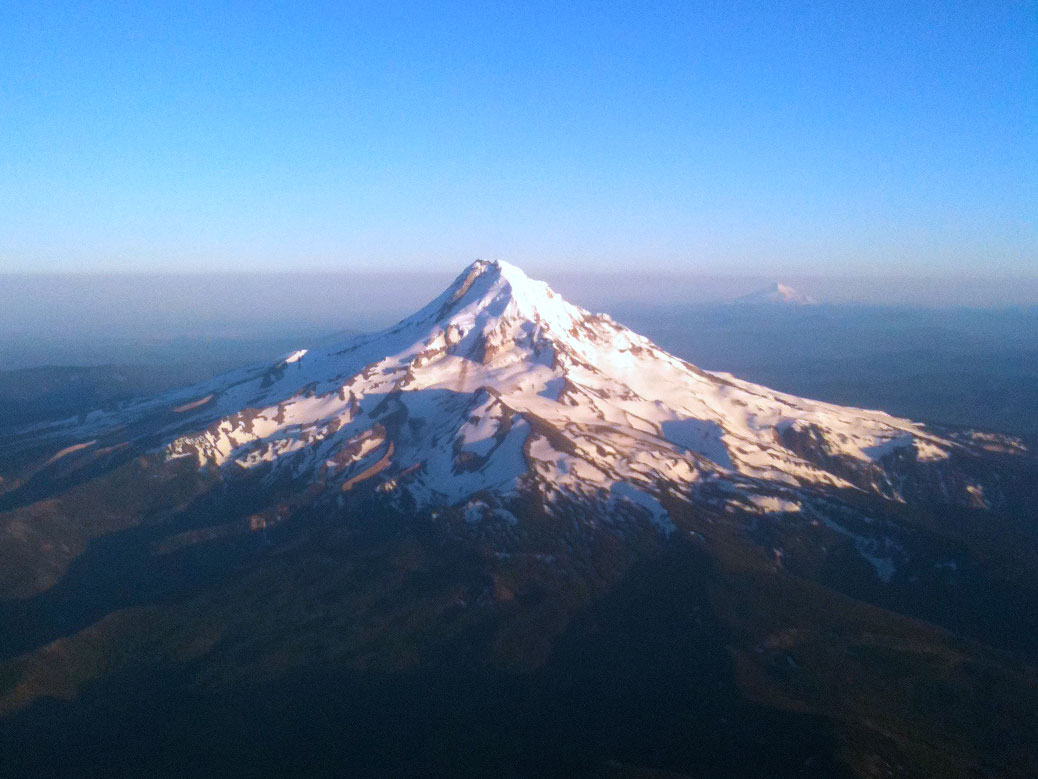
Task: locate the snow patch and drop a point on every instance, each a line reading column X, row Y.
column 623, row 493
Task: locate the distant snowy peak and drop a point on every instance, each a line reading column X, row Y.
column 777, row 293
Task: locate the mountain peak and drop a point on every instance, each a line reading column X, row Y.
column 494, row 275
column 492, row 293
column 777, row 293
column 497, row 269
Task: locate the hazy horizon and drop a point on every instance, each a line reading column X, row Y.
column 218, row 304
column 221, row 318
column 320, row 294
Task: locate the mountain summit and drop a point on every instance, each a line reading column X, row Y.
column 777, row 294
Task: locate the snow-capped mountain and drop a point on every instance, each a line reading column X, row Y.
column 500, row 389
column 507, row 498
column 777, row 294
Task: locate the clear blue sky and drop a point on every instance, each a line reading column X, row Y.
column 709, row 137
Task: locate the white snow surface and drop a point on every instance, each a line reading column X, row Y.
column 499, row 385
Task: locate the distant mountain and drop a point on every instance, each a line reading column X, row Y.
column 499, row 512
column 777, row 294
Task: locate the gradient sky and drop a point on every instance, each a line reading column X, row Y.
column 842, row 138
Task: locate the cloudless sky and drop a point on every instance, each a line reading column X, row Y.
column 872, row 137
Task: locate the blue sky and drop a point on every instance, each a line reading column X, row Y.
column 703, row 137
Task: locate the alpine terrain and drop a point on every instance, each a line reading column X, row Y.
column 510, row 537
